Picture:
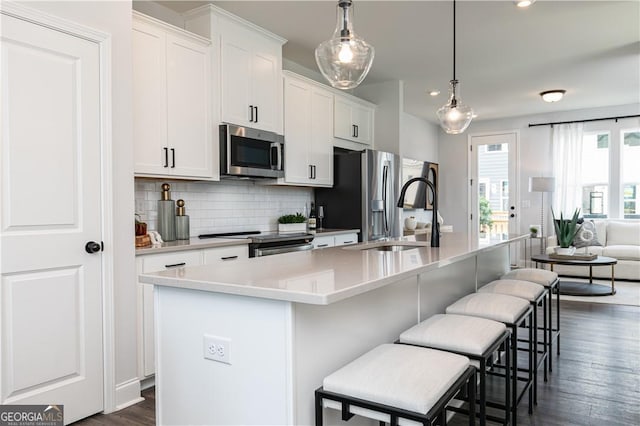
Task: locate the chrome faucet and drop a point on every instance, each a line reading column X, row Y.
column 435, row 226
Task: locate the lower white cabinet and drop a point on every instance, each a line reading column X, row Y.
column 159, row 262
column 346, row 239
column 323, row 242
column 335, row 240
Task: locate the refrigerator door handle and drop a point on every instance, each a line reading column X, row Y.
column 385, row 210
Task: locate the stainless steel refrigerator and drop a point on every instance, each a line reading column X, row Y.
column 365, row 191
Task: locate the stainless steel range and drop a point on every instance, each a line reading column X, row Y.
column 268, row 244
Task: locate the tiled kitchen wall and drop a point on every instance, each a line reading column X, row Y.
column 225, row 206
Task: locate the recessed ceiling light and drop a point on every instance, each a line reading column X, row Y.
column 434, row 92
column 524, row 3
column 552, row 95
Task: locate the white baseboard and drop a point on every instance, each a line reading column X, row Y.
column 147, row 383
column 127, row 394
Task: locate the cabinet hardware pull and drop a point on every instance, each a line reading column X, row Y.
column 251, row 113
column 229, row 257
column 323, row 245
column 166, row 157
column 353, row 130
column 175, row 264
column 256, row 114
column 314, row 171
column 347, row 242
column 357, row 131
column 173, row 157
column 310, row 171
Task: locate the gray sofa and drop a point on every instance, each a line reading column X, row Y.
column 619, row 239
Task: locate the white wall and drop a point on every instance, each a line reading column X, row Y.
column 158, row 11
column 535, row 159
column 388, row 96
column 114, row 17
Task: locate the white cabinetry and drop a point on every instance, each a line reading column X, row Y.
column 353, row 119
column 251, row 67
column 335, row 240
column 172, row 125
column 323, row 242
column 308, row 130
column 160, row 262
column 346, row 239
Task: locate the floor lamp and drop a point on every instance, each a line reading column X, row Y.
column 542, row 184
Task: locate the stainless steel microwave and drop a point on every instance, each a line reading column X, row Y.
column 247, row 152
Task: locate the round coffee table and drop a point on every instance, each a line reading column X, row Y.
column 576, row 288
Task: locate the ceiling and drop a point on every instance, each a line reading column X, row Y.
column 505, row 55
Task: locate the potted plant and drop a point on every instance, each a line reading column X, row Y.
column 292, row 223
column 566, row 231
column 534, row 232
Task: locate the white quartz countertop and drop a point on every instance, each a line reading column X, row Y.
column 322, row 276
column 191, row 244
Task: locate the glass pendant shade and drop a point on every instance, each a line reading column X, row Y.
column 345, row 59
column 455, row 116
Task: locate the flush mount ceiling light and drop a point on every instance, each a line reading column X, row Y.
column 524, row 3
column 455, row 116
column 552, row 95
column 345, row 59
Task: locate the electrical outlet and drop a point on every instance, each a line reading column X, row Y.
column 217, row 348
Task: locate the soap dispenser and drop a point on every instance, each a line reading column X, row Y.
column 182, row 222
column 166, row 215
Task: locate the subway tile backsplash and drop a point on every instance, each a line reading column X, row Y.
column 225, row 206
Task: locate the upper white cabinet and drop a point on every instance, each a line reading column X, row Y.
column 251, row 68
column 353, row 119
column 308, row 130
column 172, row 124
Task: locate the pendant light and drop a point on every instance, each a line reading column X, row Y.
column 455, row 116
column 345, row 59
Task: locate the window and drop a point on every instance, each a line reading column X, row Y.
column 595, row 175
column 501, row 147
column 610, row 176
column 631, row 174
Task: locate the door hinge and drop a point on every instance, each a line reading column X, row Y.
column 470, row 147
column 471, row 216
column 470, row 182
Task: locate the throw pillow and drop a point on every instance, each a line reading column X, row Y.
column 587, row 235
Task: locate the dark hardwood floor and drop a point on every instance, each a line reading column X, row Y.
column 595, row 380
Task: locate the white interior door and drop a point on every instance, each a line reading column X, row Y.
column 51, row 346
column 493, row 186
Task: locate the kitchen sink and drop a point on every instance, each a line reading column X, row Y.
column 393, row 247
column 388, row 246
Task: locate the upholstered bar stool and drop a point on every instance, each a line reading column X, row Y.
column 536, row 295
column 550, row 281
column 512, row 312
column 399, row 385
column 476, row 338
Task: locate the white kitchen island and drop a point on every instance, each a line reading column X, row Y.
column 289, row 320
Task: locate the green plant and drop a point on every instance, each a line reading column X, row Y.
column 533, row 230
column 292, row 218
column 566, row 229
column 485, row 214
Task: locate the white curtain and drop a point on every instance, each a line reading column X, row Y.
column 567, row 168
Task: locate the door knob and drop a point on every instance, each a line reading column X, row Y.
column 92, row 247
column 512, row 215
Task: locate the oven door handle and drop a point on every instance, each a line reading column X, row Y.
column 283, row 249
